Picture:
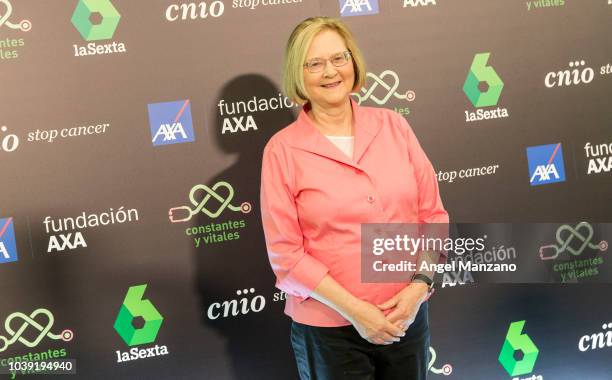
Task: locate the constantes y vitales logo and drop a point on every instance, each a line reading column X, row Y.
column 213, row 202
column 576, row 254
column 136, row 308
column 27, row 331
column 386, row 84
column 9, row 47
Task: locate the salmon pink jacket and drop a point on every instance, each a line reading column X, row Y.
column 314, row 199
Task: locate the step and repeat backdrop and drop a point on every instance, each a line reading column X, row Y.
column 131, row 135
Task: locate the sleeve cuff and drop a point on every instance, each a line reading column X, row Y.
column 305, row 276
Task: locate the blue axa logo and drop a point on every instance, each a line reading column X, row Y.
column 545, row 164
column 358, row 7
column 171, row 122
column 8, row 247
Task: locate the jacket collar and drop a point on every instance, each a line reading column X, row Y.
column 310, row 139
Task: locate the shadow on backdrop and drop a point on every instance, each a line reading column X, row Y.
column 257, row 342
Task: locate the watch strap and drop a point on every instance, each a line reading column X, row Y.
column 423, row 278
column 419, row 277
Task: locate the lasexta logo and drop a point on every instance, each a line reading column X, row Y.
column 8, row 247
column 517, row 341
column 134, row 306
column 171, row 122
column 102, row 30
column 358, row 7
column 545, row 164
column 481, row 72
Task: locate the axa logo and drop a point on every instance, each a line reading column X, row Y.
column 358, row 7
column 545, row 164
column 8, row 246
column 480, row 72
column 106, row 19
column 417, row 3
column 460, row 277
column 171, row 122
column 68, row 241
column 517, row 341
column 599, row 158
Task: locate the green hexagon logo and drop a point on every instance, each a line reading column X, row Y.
column 90, row 31
column 134, row 306
column 517, row 341
column 481, row 72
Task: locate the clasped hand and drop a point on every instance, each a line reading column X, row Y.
column 372, row 324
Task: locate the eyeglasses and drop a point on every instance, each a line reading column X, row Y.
column 316, row 65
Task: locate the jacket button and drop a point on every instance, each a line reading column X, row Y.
column 370, row 199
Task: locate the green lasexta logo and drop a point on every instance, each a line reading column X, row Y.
column 480, row 72
column 135, row 306
column 81, row 19
column 515, row 341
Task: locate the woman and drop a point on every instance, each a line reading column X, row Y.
column 337, row 166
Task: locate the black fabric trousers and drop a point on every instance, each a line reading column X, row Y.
column 340, row 353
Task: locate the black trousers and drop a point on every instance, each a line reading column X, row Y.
column 340, row 353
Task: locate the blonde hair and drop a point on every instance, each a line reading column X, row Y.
column 297, row 47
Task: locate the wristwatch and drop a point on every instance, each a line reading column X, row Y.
column 419, row 277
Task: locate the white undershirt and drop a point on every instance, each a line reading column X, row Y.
column 345, row 143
